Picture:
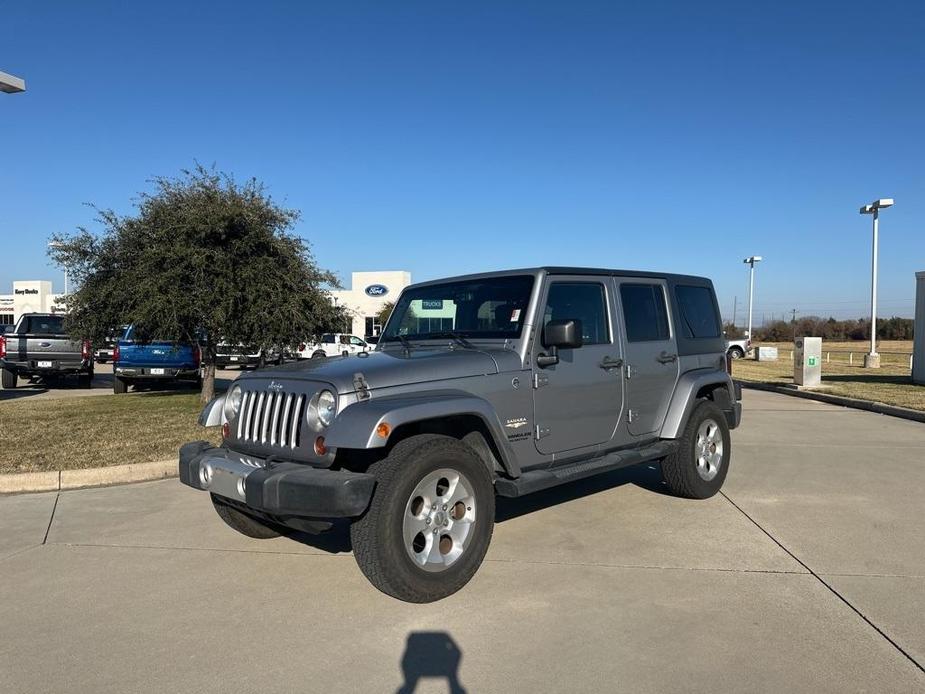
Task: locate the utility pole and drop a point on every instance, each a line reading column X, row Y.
column 872, row 360
column 750, row 261
column 793, row 322
column 735, row 307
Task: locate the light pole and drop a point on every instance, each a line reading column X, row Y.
column 11, row 84
column 750, row 261
column 58, row 244
column 872, row 360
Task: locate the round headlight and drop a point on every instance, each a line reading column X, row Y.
column 327, row 407
column 232, row 402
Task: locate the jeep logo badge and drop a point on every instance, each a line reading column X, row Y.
column 275, row 387
column 377, row 290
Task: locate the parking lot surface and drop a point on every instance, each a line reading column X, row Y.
column 102, row 385
column 806, row 574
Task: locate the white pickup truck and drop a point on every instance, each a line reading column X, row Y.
column 332, row 345
column 736, row 349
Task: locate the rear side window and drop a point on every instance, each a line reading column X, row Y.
column 644, row 312
column 582, row 301
column 698, row 311
column 327, row 339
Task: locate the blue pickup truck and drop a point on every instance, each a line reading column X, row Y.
column 138, row 362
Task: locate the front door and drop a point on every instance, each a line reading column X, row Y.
column 578, row 401
column 651, row 352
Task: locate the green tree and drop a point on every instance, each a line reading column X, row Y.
column 385, row 312
column 202, row 259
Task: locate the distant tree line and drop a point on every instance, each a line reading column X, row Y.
column 894, row 328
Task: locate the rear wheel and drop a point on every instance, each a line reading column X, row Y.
column 319, row 355
column 119, row 385
column 736, row 353
column 243, row 523
column 8, row 379
column 430, row 520
column 697, row 469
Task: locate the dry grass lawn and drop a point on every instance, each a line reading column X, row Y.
column 891, row 384
column 68, row 433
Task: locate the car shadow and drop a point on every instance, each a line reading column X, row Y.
column 648, row 476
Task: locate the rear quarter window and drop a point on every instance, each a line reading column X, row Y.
column 698, row 312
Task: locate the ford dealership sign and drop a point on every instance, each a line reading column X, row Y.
column 377, row 290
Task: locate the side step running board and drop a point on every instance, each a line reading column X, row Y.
column 535, row 480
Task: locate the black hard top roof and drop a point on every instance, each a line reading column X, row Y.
column 566, row 270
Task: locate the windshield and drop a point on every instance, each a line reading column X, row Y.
column 489, row 308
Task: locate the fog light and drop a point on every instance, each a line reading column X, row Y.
column 320, row 448
column 205, row 474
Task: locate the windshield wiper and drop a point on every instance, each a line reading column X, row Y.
column 405, row 342
column 455, row 336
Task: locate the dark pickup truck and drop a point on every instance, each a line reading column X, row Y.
column 39, row 346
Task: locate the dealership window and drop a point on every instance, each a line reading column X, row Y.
column 644, row 312
column 6, row 319
column 373, row 327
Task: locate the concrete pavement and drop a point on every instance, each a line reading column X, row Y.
column 807, row 574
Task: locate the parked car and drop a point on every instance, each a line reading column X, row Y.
column 332, row 345
column 38, row 346
column 136, row 362
column 537, row 378
column 240, row 355
column 104, row 353
column 737, row 349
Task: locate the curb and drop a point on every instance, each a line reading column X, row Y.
column 877, row 407
column 61, row 480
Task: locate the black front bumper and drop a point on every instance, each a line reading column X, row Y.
column 278, row 490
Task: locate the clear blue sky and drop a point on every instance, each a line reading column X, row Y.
column 444, row 137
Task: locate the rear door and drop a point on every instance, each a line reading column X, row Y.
column 578, row 401
column 651, row 350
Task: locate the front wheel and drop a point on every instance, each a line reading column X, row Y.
column 697, row 469
column 430, row 520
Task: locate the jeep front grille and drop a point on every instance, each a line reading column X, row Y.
column 271, row 418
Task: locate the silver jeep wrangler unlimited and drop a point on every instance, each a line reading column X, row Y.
column 498, row 383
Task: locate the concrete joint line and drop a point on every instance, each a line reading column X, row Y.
column 828, row 586
column 51, row 518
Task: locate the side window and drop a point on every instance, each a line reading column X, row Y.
column 354, row 340
column 583, row 301
column 327, row 339
column 698, row 312
column 644, row 312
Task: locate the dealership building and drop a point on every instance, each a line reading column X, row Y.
column 29, row 296
column 368, row 293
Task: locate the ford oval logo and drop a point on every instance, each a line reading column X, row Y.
column 377, row 290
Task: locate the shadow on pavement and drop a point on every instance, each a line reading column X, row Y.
column 645, row 475
column 867, row 378
column 430, row 654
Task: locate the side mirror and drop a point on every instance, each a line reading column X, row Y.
column 8, row 329
column 559, row 334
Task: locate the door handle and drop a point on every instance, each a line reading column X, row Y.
column 608, row 363
column 665, row 358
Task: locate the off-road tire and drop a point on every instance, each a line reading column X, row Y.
column 7, row 379
column 119, row 385
column 243, row 523
column 736, row 353
column 378, row 544
column 679, row 469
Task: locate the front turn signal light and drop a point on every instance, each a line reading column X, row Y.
column 383, row 430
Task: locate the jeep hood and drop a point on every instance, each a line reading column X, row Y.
column 395, row 367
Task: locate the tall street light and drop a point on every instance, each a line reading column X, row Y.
column 58, row 244
column 750, row 261
column 872, row 360
column 11, row 84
